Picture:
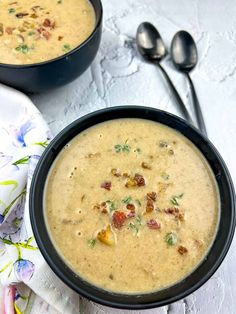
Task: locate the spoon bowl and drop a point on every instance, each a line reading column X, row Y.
column 184, row 51
column 150, row 43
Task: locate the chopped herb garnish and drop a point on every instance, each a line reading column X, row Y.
column 11, row 10
column 174, row 199
column 139, row 220
column 91, row 242
column 138, row 202
column 22, row 48
column 122, row 147
column 133, row 227
column 165, row 176
column 127, row 200
column 59, row 1
column 163, row 144
column 137, row 150
column 111, row 205
column 31, row 33
column 171, row 238
column 66, row 48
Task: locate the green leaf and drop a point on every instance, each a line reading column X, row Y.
column 5, row 267
column 10, row 182
column 91, row 242
column 6, row 210
column 43, row 144
column 21, row 161
column 171, row 238
column 138, row 202
column 6, row 241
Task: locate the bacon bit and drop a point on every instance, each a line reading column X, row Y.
column 49, row 23
column 106, row 185
column 21, row 15
column 1, row 29
column 182, row 250
column 130, row 214
column 152, row 196
column 130, row 206
column 115, row 172
column 101, row 207
column 9, row 30
column 60, row 38
column 44, row 33
column 118, row 219
column 106, row 236
column 131, row 211
column 175, row 212
column 34, row 16
column 153, row 224
column 146, row 165
column 149, row 206
column 139, row 179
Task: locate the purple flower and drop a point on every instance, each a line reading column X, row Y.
column 1, row 219
column 24, row 269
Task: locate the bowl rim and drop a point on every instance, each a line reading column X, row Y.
column 99, row 16
column 53, row 147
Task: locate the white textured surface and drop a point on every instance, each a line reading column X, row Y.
column 118, row 76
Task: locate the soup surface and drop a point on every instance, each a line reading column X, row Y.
column 131, row 205
column 39, row 30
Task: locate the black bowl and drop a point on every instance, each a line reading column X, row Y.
column 199, row 276
column 39, row 77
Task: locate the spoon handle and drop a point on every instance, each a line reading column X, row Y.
column 177, row 96
column 197, row 107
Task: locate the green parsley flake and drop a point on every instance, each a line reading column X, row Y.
column 171, row 238
column 165, row 176
column 23, row 48
column 91, row 242
column 174, row 199
column 66, row 48
column 11, row 10
column 133, row 227
column 111, row 205
column 127, row 200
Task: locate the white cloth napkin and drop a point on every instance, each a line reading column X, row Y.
column 23, row 138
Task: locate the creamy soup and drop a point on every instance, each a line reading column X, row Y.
column 39, row 30
column 131, row 205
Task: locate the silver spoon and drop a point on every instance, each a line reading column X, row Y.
column 184, row 56
column 151, row 47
